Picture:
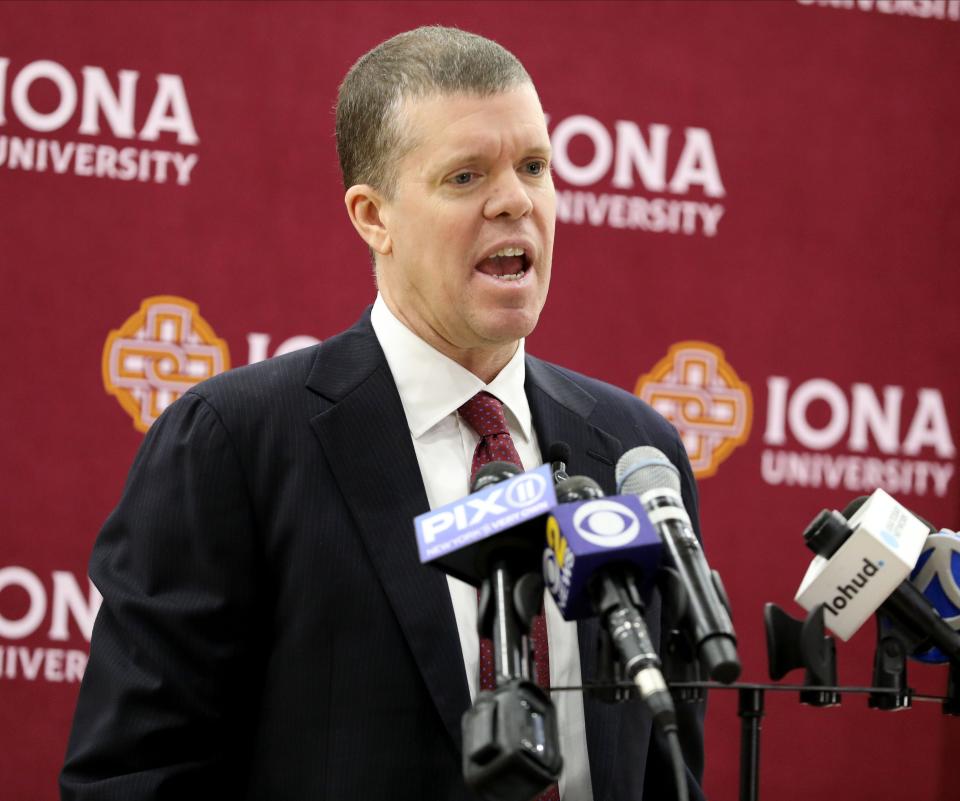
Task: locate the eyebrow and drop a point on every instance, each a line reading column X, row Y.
column 473, row 155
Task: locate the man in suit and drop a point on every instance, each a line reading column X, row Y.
column 267, row 630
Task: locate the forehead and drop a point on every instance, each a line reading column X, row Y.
column 439, row 127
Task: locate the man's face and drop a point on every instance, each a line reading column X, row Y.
column 471, row 221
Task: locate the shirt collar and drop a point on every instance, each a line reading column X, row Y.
column 432, row 386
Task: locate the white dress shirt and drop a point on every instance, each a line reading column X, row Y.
column 432, row 387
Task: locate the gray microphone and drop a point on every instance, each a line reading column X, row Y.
column 647, row 473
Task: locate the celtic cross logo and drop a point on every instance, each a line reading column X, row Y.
column 698, row 391
column 158, row 354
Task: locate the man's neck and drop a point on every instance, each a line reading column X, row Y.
column 485, row 362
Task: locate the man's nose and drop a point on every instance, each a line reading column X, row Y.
column 509, row 197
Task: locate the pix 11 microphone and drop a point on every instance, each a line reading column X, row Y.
column 505, row 513
column 493, row 539
column 647, row 473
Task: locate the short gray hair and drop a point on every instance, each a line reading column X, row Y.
column 425, row 61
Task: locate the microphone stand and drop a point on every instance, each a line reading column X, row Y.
column 752, row 710
column 791, row 644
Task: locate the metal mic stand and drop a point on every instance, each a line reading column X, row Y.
column 682, row 671
column 791, row 644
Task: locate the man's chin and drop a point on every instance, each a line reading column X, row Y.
column 505, row 326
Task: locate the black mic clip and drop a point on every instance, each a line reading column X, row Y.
column 511, row 741
column 951, row 705
column 894, row 644
column 793, row 643
column 677, row 650
column 525, row 602
column 611, row 682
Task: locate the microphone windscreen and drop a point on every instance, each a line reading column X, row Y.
column 493, row 473
column 578, row 488
column 558, row 452
column 851, row 508
column 646, row 468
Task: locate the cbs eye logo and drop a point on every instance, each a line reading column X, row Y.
column 606, row 523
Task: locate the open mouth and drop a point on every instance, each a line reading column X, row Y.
column 507, row 264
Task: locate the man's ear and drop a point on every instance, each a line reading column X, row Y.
column 363, row 205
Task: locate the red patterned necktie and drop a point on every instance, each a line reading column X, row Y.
column 484, row 414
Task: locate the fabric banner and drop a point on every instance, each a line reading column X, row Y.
column 758, row 222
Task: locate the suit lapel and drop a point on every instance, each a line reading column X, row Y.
column 560, row 410
column 365, row 438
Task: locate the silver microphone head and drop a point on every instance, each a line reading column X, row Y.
column 645, row 468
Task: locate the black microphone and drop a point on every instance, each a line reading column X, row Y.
column 577, row 488
column 647, row 473
column 558, row 455
column 493, row 473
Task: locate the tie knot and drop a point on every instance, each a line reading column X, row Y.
column 484, row 414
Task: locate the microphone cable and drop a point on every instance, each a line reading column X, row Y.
column 672, row 735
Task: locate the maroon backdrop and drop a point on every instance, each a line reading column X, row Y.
column 775, row 181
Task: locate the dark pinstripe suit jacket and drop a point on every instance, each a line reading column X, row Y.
column 267, row 630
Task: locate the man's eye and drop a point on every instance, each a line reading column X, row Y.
column 535, row 167
column 463, row 178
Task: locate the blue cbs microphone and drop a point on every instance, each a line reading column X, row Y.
column 601, row 557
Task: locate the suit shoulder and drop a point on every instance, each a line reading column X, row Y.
column 614, row 405
column 259, row 382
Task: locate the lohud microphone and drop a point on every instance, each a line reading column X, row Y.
column 600, row 560
column 647, row 473
column 864, row 558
